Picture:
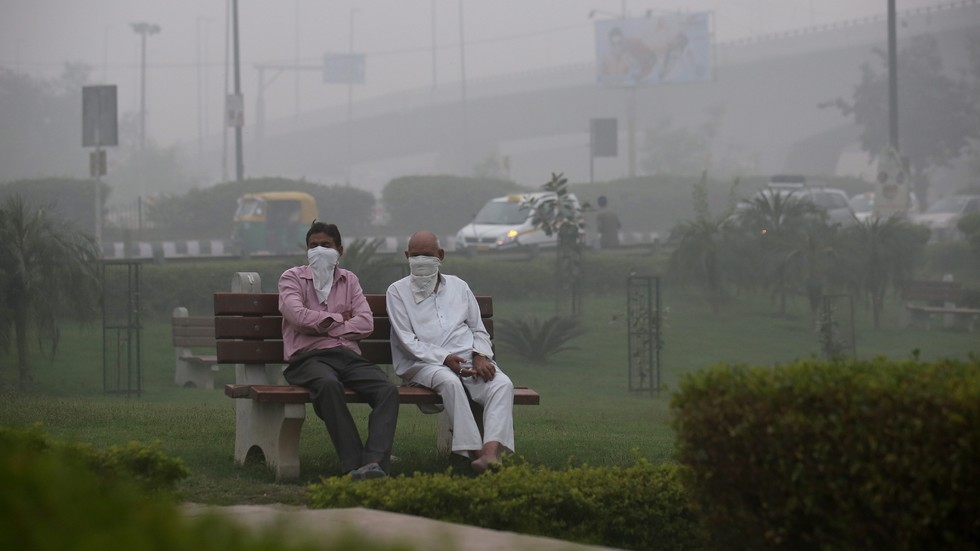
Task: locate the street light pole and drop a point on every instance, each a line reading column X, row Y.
column 350, row 96
column 892, row 78
column 239, row 162
column 462, row 71
column 143, row 29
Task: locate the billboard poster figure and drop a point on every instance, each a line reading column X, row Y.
column 644, row 51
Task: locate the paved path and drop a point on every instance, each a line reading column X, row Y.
column 388, row 527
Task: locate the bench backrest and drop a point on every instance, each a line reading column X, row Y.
column 932, row 291
column 191, row 332
column 248, row 328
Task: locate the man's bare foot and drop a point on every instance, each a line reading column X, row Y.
column 486, row 463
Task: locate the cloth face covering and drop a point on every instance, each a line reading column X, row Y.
column 425, row 274
column 323, row 261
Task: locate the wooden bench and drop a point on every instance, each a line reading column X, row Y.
column 927, row 300
column 270, row 413
column 192, row 369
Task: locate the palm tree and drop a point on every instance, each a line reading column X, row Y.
column 778, row 221
column 883, row 254
column 49, row 271
column 700, row 256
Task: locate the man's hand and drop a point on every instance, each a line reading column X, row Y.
column 455, row 363
column 483, row 367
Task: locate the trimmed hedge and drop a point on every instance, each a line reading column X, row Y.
column 638, row 507
column 70, row 496
column 866, row 455
column 166, row 286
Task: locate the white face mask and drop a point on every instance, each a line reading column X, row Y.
column 323, row 261
column 425, row 274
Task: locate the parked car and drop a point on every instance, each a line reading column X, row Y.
column 504, row 223
column 832, row 201
column 941, row 217
column 863, row 205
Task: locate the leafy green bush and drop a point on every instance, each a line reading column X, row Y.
column 439, row 203
column 209, row 212
column 638, row 507
column 57, row 496
column 864, row 455
column 538, row 340
column 70, row 199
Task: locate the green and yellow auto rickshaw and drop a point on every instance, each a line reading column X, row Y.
column 274, row 221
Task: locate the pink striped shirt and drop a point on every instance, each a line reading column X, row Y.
column 302, row 312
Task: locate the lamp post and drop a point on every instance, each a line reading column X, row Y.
column 462, row 80
column 143, row 29
column 350, row 96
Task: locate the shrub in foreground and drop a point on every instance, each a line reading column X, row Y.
column 638, row 507
column 865, row 455
column 56, row 496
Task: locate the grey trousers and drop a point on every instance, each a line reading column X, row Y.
column 326, row 373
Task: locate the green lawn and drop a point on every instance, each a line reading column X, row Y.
column 586, row 414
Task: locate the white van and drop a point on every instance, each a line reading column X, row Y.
column 504, row 223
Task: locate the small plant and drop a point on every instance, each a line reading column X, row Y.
column 538, row 340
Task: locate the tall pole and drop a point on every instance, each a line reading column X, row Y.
column 239, row 162
column 224, row 121
column 434, row 81
column 296, row 58
column 462, row 72
column 892, row 78
column 350, row 95
column 143, row 29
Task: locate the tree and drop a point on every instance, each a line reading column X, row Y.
column 937, row 115
column 882, row 254
column 779, row 222
column 561, row 215
column 48, row 272
column 40, row 121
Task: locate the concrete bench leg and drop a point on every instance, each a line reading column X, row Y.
column 275, row 429
column 191, row 373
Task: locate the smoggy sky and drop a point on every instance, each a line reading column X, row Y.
column 186, row 60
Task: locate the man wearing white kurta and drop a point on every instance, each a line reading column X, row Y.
column 439, row 341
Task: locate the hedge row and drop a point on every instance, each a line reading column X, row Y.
column 866, row 455
column 166, row 286
column 638, row 507
column 67, row 496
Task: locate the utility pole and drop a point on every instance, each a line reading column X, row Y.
column 892, row 78
column 350, row 96
column 239, row 162
column 143, row 29
column 462, row 71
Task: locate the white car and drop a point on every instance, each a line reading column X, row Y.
column 863, row 205
column 941, row 217
column 833, row 201
column 504, row 223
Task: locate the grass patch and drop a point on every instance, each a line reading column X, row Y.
column 586, row 416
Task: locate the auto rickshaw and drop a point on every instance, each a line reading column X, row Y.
column 274, row 221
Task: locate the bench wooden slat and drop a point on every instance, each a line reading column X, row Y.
column 192, row 342
column 240, row 327
column 193, row 321
column 406, row 394
column 270, row 352
column 185, row 331
column 267, row 304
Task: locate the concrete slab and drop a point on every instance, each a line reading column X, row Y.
column 316, row 524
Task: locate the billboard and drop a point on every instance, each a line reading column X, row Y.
column 99, row 123
column 652, row 50
column 343, row 69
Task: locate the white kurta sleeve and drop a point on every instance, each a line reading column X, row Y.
column 403, row 336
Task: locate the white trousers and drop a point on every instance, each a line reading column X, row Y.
column 496, row 396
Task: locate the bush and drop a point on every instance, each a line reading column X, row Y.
column 864, row 455
column 57, row 496
column 441, row 203
column 638, row 507
column 209, row 212
column 538, row 340
column 71, row 200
